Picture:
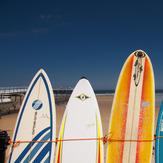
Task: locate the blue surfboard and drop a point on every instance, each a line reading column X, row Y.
column 159, row 141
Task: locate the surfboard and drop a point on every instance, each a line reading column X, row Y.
column 36, row 122
column 81, row 120
column 159, row 141
column 132, row 115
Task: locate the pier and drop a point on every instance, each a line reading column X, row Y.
column 11, row 98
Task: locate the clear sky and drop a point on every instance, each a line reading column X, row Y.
column 71, row 39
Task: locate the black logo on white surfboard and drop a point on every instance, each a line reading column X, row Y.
column 138, row 67
column 82, row 97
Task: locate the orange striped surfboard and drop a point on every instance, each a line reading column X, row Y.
column 132, row 116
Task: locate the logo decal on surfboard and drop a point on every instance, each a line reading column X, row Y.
column 82, row 97
column 138, row 67
column 37, row 105
column 145, row 104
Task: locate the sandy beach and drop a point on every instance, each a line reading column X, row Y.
column 7, row 122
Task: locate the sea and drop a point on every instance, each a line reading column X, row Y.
column 158, row 95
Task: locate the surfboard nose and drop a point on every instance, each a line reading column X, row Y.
column 83, row 77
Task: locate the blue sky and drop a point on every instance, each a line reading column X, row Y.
column 71, row 39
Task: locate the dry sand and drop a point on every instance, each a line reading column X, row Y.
column 105, row 103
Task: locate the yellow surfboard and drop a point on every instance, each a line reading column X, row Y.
column 132, row 116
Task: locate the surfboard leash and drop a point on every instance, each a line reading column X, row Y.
column 104, row 139
column 17, row 143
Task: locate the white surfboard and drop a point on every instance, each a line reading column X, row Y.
column 81, row 120
column 36, row 122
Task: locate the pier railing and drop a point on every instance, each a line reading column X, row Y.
column 13, row 89
column 24, row 89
